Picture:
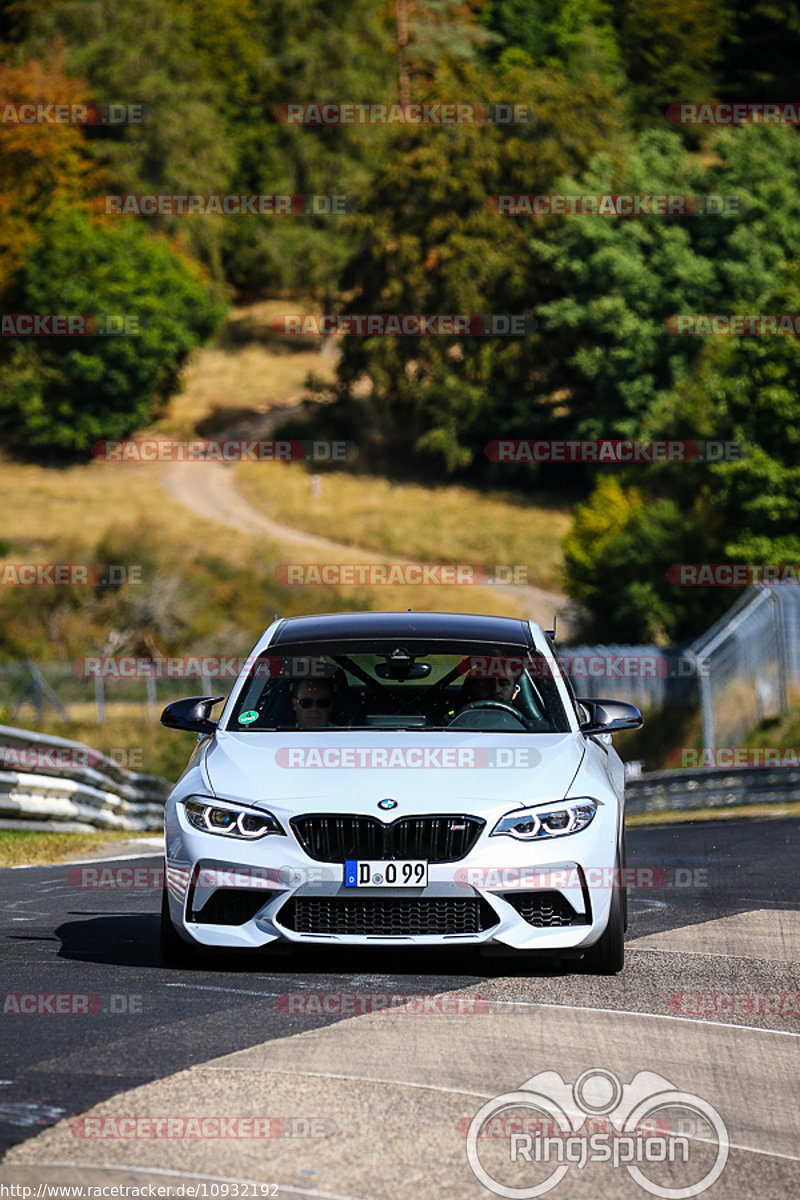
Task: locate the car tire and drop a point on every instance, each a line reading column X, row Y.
column 175, row 952
column 624, row 886
column 607, row 956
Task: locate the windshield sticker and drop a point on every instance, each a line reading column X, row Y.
column 247, row 718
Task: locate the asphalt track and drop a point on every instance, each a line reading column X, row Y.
column 365, row 1104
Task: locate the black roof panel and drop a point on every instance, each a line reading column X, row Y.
column 448, row 626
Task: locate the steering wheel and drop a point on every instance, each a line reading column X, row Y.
column 491, row 704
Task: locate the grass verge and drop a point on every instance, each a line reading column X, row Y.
column 28, row 847
column 752, row 812
column 411, row 522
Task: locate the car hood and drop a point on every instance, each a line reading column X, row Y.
column 423, row 773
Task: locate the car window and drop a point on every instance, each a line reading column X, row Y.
column 409, row 686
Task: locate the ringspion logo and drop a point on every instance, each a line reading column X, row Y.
column 649, row 1123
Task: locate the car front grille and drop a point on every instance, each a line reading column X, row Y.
column 231, row 906
column 544, row 909
column 435, row 839
column 390, row 916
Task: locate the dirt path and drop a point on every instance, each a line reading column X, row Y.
column 208, row 490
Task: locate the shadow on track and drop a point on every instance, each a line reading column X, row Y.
column 131, row 940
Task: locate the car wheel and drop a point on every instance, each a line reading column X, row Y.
column 607, row 956
column 175, row 952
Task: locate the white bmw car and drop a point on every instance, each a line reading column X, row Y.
column 400, row 779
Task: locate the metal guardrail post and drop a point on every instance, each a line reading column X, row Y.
column 706, row 704
column 780, row 645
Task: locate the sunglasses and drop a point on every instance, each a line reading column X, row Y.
column 306, row 703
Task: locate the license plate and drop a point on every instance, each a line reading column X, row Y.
column 404, row 872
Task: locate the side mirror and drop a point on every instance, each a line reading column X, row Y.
column 191, row 714
column 610, row 716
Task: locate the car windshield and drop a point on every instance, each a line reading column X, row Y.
column 409, row 685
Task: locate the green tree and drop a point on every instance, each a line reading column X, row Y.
column 573, row 36
column 428, row 243
column 743, row 391
column 40, row 165
column 66, row 393
column 669, row 52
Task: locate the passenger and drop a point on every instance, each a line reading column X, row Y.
column 502, row 688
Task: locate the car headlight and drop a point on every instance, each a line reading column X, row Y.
column 230, row 821
column 551, row 820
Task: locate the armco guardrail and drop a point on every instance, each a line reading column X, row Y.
column 713, row 787
column 53, row 780
column 46, row 780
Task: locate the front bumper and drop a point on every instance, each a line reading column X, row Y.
column 548, row 897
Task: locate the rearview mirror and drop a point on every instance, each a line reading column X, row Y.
column 610, row 716
column 191, row 714
column 402, row 670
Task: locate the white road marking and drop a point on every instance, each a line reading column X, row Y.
column 631, row 946
column 626, row 1012
column 428, row 1087
column 622, row 1012
column 81, row 862
column 202, row 987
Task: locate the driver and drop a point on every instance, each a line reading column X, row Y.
column 312, row 700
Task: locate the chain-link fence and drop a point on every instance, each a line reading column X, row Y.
column 749, row 663
column 745, row 668
column 651, row 677
column 34, row 690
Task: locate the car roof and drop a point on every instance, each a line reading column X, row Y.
column 449, row 626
